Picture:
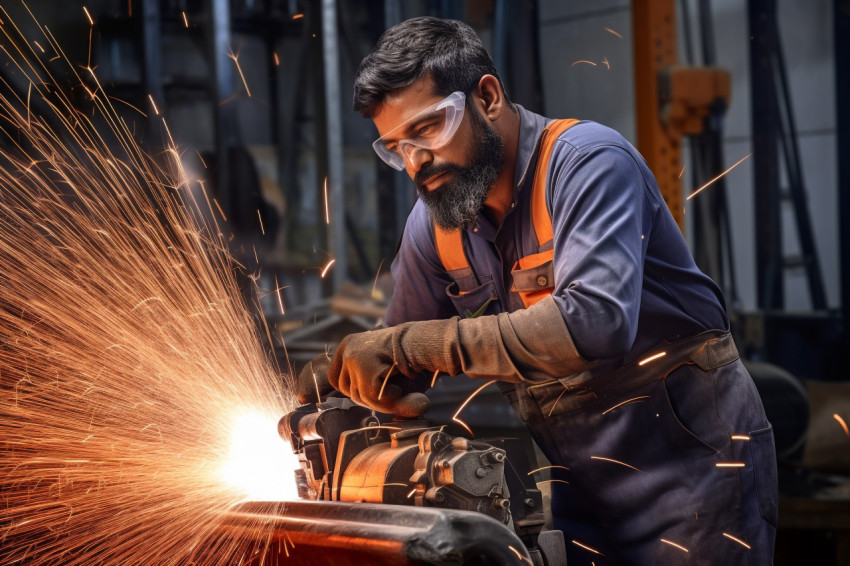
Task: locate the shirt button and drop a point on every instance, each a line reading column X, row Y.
column 541, row 280
column 475, row 229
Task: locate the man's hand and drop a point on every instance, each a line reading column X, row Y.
column 312, row 384
column 531, row 344
column 364, row 367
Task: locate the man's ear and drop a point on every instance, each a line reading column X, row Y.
column 489, row 97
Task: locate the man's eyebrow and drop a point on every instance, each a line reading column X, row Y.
column 402, row 130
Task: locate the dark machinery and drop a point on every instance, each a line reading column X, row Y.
column 348, row 454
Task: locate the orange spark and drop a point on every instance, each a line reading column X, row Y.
column 327, row 267
column 614, row 461
column 155, row 109
column 520, row 556
column 327, row 205
column 412, row 491
column 554, row 481
column 91, row 21
column 708, row 184
column 730, row 465
column 633, row 399
column 316, row 383
column 386, row 378
column 739, row 541
column 201, row 157
column 37, row 44
column 555, row 404
column 609, row 30
column 136, row 108
column 434, row 379
column 547, row 468
column 843, row 424
column 671, row 543
column 682, row 172
column 235, row 57
column 220, row 210
column 129, row 398
column 740, row 437
column 584, row 546
column 279, row 297
column 276, row 59
column 465, row 403
column 607, row 64
column 375, row 283
column 185, row 20
column 583, row 61
column 650, row 358
column 260, row 218
column 297, row 16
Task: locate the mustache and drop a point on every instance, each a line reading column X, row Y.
column 426, row 173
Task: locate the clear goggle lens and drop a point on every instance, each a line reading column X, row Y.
column 432, row 128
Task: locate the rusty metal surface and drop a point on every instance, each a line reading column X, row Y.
column 321, row 533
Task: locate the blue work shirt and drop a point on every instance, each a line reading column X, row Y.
column 624, row 277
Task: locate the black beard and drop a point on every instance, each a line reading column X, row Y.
column 458, row 201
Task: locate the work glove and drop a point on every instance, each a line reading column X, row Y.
column 527, row 345
column 312, row 385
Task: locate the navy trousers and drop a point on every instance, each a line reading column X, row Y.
column 680, row 470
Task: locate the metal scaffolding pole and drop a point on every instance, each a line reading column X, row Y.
column 333, row 129
column 225, row 117
column 841, row 13
column 152, row 67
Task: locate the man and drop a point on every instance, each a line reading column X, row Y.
column 583, row 301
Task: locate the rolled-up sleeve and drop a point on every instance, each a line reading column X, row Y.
column 600, row 219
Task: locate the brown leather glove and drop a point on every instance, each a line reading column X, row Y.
column 312, row 384
column 531, row 344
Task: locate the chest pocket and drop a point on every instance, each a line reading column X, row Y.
column 533, row 274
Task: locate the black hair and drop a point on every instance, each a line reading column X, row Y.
column 448, row 50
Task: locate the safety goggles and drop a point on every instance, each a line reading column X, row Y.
column 432, row 128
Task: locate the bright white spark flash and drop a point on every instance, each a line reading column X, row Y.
column 260, row 464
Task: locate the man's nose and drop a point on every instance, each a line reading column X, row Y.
column 417, row 157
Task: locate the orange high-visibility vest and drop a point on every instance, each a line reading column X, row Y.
column 449, row 243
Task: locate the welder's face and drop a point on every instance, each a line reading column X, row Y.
column 453, row 179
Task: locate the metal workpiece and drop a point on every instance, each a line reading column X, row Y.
column 462, row 474
column 351, row 455
column 322, row 532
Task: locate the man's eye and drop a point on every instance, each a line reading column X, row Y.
column 427, row 129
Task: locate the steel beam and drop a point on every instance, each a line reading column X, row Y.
column 654, row 30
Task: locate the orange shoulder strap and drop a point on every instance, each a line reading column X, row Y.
column 449, row 243
column 539, row 211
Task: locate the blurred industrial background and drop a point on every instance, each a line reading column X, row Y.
column 257, row 94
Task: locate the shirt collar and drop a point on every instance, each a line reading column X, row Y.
column 530, row 128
